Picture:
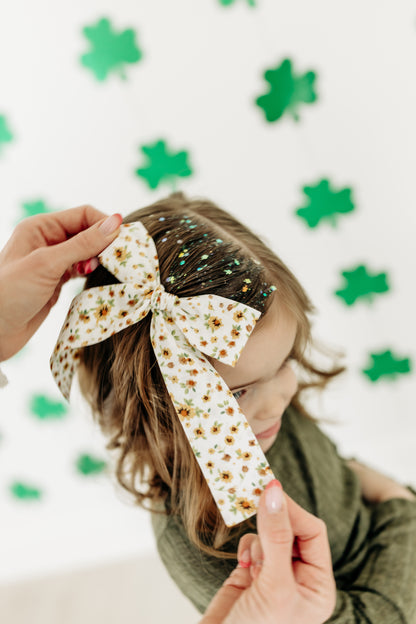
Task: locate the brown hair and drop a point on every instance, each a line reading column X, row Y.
column 201, row 249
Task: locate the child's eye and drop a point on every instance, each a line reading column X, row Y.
column 237, row 395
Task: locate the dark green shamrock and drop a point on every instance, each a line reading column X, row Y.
column 163, row 166
column 47, row 409
column 23, row 491
column 251, row 3
column 385, row 364
column 5, row 133
column 87, row 465
column 325, row 204
column 35, row 207
column 362, row 285
column 287, row 91
column 110, row 50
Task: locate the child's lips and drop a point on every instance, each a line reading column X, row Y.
column 268, row 433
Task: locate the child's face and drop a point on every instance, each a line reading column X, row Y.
column 261, row 381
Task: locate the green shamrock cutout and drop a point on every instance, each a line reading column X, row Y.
column 47, row 409
column 287, row 91
column 163, row 166
column 29, row 209
column 23, row 491
column 87, row 465
column 325, row 204
column 385, row 364
column 110, row 50
column 5, row 133
column 251, row 3
column 362, row 285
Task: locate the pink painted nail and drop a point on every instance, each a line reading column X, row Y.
column 90, row 265
column 111, row 224
column 274, row 496
column 245, row 560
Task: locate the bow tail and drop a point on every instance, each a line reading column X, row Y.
column 222, row 440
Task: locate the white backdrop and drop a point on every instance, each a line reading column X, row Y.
column 75, row 139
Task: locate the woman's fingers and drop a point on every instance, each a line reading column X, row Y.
column 232, row 589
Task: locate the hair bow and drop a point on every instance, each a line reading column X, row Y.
column 183, row 329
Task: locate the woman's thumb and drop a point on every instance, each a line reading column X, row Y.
column 85, row 244
column 276, row 533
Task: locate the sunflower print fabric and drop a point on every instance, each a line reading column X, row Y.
column 182, row 331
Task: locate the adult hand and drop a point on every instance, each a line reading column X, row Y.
column 377, row 487
column 37, row 261
column 269, row 586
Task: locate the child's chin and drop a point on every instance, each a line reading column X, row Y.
column 267, row 443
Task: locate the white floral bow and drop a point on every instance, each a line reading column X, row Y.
column 182, row 329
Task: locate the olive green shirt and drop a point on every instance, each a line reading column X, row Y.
column 373, row 547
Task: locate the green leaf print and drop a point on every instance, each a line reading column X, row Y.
column 385, row 364
column 287, row 92
column 325, row 204
column 110, row 51
column 163, row 166
column 362, row 285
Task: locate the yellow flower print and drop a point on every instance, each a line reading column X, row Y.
column 223, row 353
column 102, row 312
column 120, row 254
column 206, row 398
column 210, row 465
column 211, row 451
column 246, row 455
column 214, row 322
column 229, row 410
column 185, row 411
column 245, row 505
column 235, row 333
column 252, row 443
column 229, row 440
column 203, row 343
column 122, row 313
column 226, row 457
column 237, row 316
column 167, row 353
column 214, row 339
column 221, row 501
column 199, row 432
column 231, row 343
column 191, row 383
column 226, row 475
column 84, row 317
column 233, row 429
column 216, row 429
column 205, row 415
column 174, row 379
column 169, row 320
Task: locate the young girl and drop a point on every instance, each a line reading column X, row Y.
column 201, row 250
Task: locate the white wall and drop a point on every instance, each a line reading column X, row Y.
column 77, row 140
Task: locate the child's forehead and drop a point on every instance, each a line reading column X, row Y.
column 267, row 348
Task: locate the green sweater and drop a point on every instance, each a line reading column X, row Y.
column 373, row 546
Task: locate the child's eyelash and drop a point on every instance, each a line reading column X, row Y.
column 239, row 393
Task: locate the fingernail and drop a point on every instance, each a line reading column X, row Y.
column 79, row 269
column 274, row 496
column 245, row 560
column 111, row 224
column 90, row 265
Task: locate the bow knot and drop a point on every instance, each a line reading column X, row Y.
column 162, row 301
